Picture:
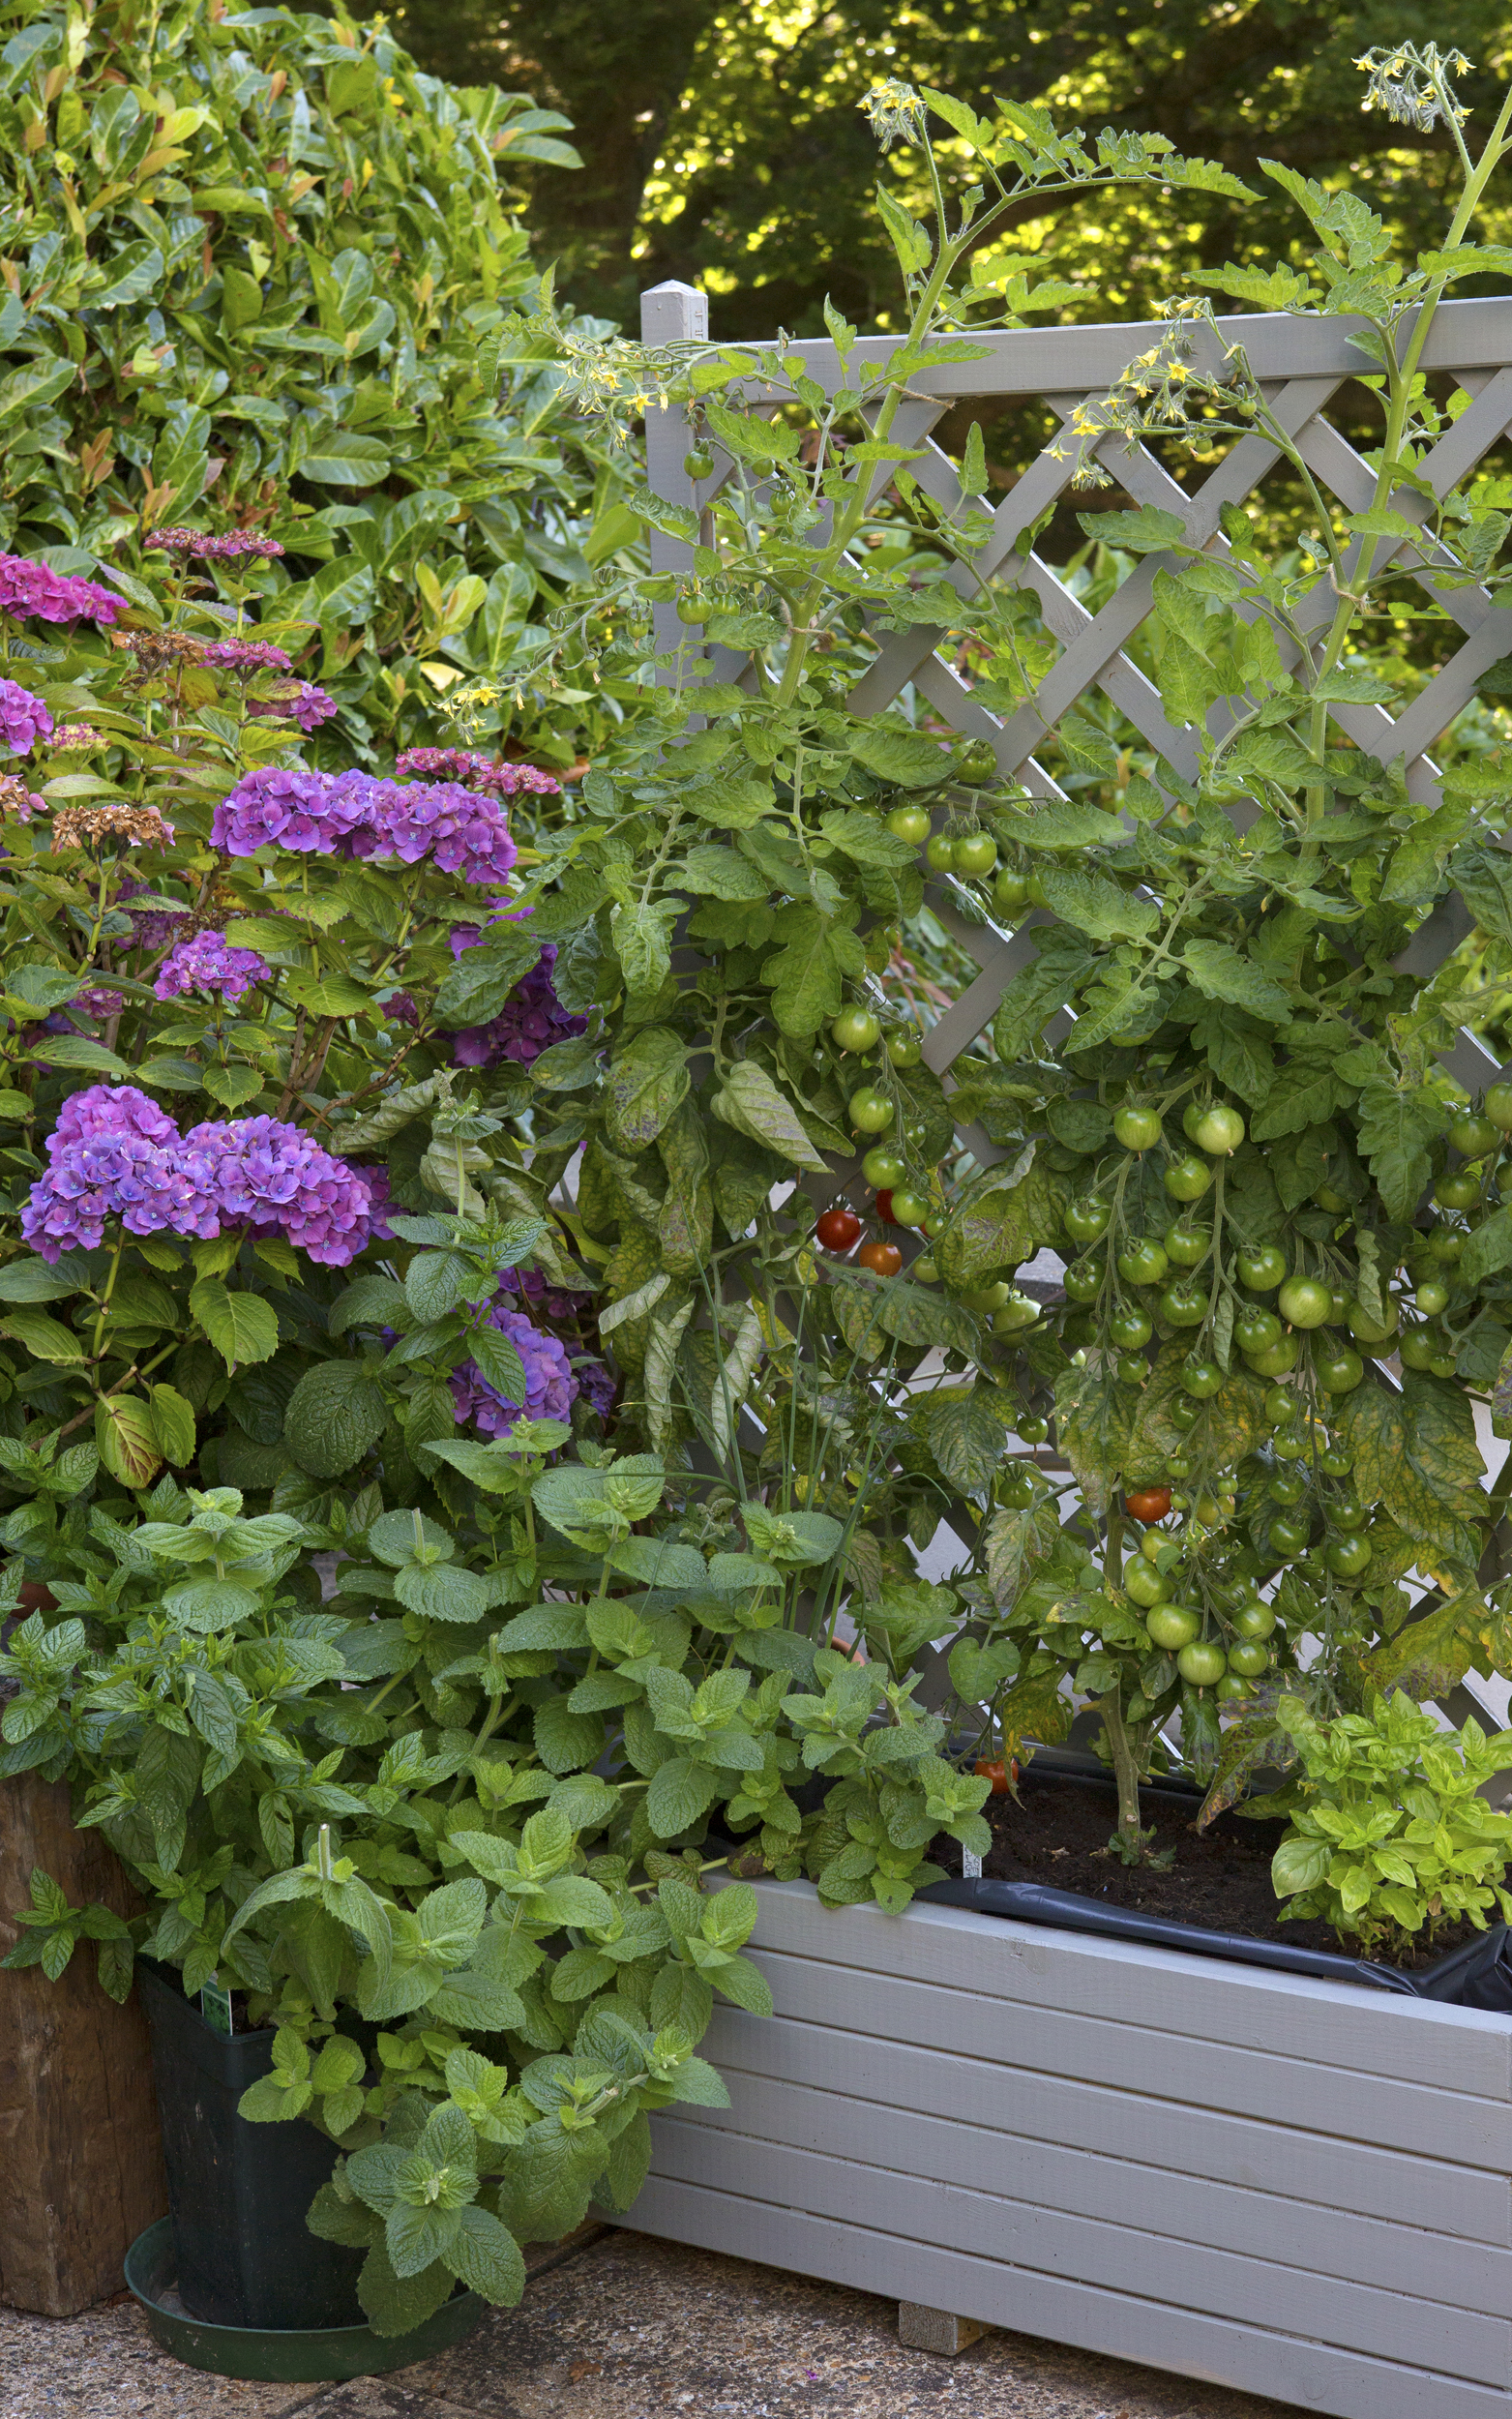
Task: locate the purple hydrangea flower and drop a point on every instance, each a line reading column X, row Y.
column 299, row 701
column 31, row 588
column 381, row 1201
column 152, row 928
column 595, row 1386
column 271, row 1175
column 244, row 655
column 479, row 772
column 204, row 548
column 113, row 1154
column 205, row 963
column 399, row 1009
column 98, row 1003
column 550, row 1388
column 23, row 718
column 75, row 739
column 531, row 1019
column 357, row 815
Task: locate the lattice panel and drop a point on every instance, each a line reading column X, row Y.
column 1302, row 366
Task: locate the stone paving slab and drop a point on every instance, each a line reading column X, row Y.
column 624, row 2327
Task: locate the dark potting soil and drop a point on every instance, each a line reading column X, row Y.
column 1058, row 1835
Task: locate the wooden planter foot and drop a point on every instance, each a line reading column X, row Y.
column 927, row 2330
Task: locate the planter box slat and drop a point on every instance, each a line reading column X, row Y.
column 1173, row 2208
column 1290, row 2014
column 1292, row 2187
column 1242, row 2081
column 1117, row 2251
column 1345, row 2384
column 1470, row 2205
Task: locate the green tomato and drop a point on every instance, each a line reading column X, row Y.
column 856, row 1028
column 1348, row 1514
column 1202, row 1663
column 1256, row 1331
column 1035, row 1431
column 1417, row 1348
column 1347, row 1557
column 911, row 823
column 698, row 462
column 1249, row 1659
column 904, row 1047
column 1220, row 1130
column 1280, row 1404
column 1037, row 896
column 986, row 1297
column 1143, row 1264
column 1130, row 1325
column 909, row 1209
column 1367, row 1330
column 1174, row 1626
column 1232, row 1687
column 1291, row 1445
column 1497, row 1107
column 1472, row 1136
column 1337, row 1372
column 1334, row 1462
column 1131, row 1369
column 1138, row 1129
column 925, row 1269
column 1303, row 1302
column 1288, row 1486
column 1329, row 1197
column 1180, row 1413
column 1281, row 1359
column 1150, row 1545
column 939, row 853
column 1016, row 1312
column 1290, row 1536
column 1179, row 1465
column 1460, row 1190
column 1340, row 1301
column 1010, row 891
column 1262, row 1266
column 1188, row 1177
column 1184, row 1305
column 1187, row 1246
column 1443, row 1364
column 1255, row 1620
column 884, row 1167
column 1082, row 1281
column 871, row 1110
column 1432, row 1297
column 975, row 853
column 1202, row 1379
column 1192, row 1116
column 1087, row 1218
column 1146, row 1586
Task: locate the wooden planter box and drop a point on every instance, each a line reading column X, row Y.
column 1296, row 2188
column 80, row 2162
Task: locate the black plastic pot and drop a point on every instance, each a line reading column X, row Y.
column 239, row 2193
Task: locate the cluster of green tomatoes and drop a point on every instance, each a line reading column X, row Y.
column 970, row 853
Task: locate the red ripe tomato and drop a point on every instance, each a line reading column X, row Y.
column 884, row 1206
column 838, row 1229
column 882, row 1258
column 1148, row 1503
column 1003, row 1777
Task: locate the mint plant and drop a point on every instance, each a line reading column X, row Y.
column 1389, row 1836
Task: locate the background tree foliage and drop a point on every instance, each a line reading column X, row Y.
column 255, row 270
column 726, row 147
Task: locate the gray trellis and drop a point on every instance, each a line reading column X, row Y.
column 1300, row 363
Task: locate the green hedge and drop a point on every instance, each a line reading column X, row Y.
column 256, row 272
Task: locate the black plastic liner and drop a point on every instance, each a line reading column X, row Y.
column 1033, row 1903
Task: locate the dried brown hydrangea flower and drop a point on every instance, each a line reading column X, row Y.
column 87, row 826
